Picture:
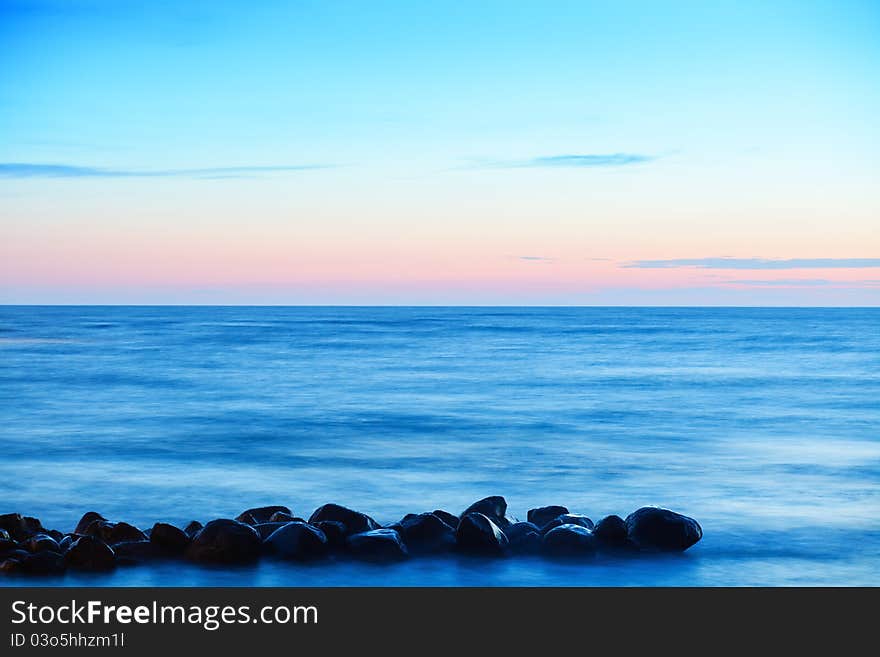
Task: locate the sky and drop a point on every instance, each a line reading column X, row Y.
column 498, row 153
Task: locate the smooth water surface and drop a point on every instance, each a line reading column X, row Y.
column 764, row 424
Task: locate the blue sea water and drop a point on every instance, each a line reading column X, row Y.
column 764, row 424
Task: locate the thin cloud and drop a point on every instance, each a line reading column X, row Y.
column 536, row 258
column 26, row 170
column 756, row 263
column 801, row 282
column 591, row 160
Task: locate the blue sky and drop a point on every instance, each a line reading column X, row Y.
column 409, row 152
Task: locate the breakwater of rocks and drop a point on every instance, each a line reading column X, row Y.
column 334, row 531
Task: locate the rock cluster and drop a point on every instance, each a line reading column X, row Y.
column 484, row 528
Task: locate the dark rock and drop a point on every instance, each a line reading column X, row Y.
column 353, row 521
column 41, row 542
column 426, row 533
column 87, row 519
column 4, row 535
column 449, row 518
column 265, row 529
column 90, row 553
column 168, row 538
column 611, row 533
column 20, row 528
column 335, row 533
column 569, row 541
column 45, row 562
column 115, row 532
column 193, row 528
column 6, row 542
column 379, row 545
column 65, row 543
column 298, row 541
column 132, row 553
column 494, row 508
column 661, row 530
column 524, row 538
column 225, row 541
column 567, row 519
column 10, row 565
column 262, row 514
column 281, row 516
column 55, row 534
column 477, row 534
column 16, row 553
column 542, row 515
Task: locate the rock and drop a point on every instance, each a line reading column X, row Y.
column 660, row 530
column 193, row 528
column 298, row 541
column 262, row 514
column 225, row 541
column 569, row 540
column 65, row 543
column 41, row 542
column 335, row 533
column 265, row 529
column 132, row 553
column 544, row 514
column 353, row 521
column 55, row 534
column 477, row 534
column 19, row 527
column 494, row 508
column 524, row 538
column 610, row 532
column 90, row 553
column 6, row 542
column 87, row 519
column 168, row 538
column 281, row 516
column 449, row 518
column 45, row 562
column 379, row 545
column 567, row 519
column 115, row 532
column 426, row 533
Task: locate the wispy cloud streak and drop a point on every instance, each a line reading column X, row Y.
column 591, row 160
column 756, row 263
column 26, row 170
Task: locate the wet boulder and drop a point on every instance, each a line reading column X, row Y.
column 6, row 542
column 193, row 528
column 281, row 516
column 90, row 553
column 265, row 529
column 568, row 519
column 449, row 518
column 353, row 521
column 115, row 532
column 261, row 514
column 544, row 514
column 611, row 534
column 297, row 541
column 477, row 534
column 46, row 562
column 426, row 533
column 378, row 545
column 168, row 538
column 133, row 553
column 523, row 537
column 335, row 533
column 654, row 529
column 65, row 543
column 88, row 518
column 494, row 508
column 19, row 527
column 225, row 541
column 569, row 540
column 40, row 543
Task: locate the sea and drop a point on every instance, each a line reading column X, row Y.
column 761, row 423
